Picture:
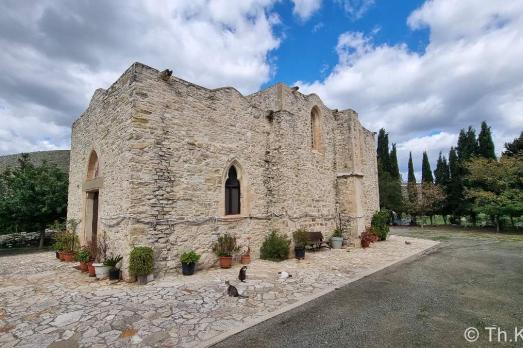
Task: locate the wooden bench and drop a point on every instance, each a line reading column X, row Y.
column 315, row 241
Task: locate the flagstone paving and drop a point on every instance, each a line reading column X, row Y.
column 47, row 303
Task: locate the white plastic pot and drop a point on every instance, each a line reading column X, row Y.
column 101, row 270
column 336, row 242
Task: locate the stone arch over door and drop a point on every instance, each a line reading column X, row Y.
column 92, row 185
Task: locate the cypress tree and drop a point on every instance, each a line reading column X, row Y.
column 383, row 150
column 426, row 172
column 485, row 143
column 395, row 186
column 411, row 186
column 467, row 144
column 455, row 185
column 394, row 168
column 441, row 174
column 441, row 179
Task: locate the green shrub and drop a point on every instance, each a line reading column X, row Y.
column 225, row 245
column 275, row 247
column 190, row 257
column 380, row 224
column 300, row 238
column 83, row 255
column 141, row 261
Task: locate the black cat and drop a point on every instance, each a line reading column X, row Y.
column 243, row 274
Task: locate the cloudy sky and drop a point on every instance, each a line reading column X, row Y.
column 421, row 69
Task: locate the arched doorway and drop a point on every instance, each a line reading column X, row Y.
column 92, row 190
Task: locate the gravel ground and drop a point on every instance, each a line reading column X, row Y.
column 474, row 279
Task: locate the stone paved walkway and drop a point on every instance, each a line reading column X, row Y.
column 46, row 303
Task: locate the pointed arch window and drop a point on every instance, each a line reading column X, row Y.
column 232, row 192
column 315, row 129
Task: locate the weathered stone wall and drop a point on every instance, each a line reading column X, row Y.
column 166, row 146
column 104, row 127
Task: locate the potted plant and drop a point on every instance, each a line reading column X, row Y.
column 112, row 262
column 69, row 243
column 189, row 260
column 337, row 238
column 245, row 258
column 93, row 250
column 300, row 241
column 224, row 247
column 57, row 247
column 100, row 269
column 141, row 263
column 83, row 257
column 368, row 237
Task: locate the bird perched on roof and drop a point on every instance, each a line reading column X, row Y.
column 295, row 88
column 164, row 75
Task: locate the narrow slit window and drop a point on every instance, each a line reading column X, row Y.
column 232, row 193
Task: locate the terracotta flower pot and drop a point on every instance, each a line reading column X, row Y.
column 68, row 256
column 61, row 255
column 365, row 243
column 245, row 259
column 91, row 269
column 83, row 266
column 225, row 261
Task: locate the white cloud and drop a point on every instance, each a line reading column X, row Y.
column 471, row 71
column 356, row 8
column 54, row 55
column 305, row 8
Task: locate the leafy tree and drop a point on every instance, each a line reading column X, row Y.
column 496, row 187
column 32, row 197
column 428, row 202
column 485, row 143
column 515, row 147
column 426, row 172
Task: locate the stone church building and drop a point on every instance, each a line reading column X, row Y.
column 159, row 161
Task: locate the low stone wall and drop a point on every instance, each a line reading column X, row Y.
column 25, row 239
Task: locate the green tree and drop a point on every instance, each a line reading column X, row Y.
column 467, row 144
column 485, row 143
column 442, row 179
column 496, row 187
column 428, row 202
column 396, row 200
column 383, row 151
column 412, row 189
column 426, row 172
column 515, row 147
column 455, row 187
column 32, row 197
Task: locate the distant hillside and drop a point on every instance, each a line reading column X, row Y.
column 58, row 157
